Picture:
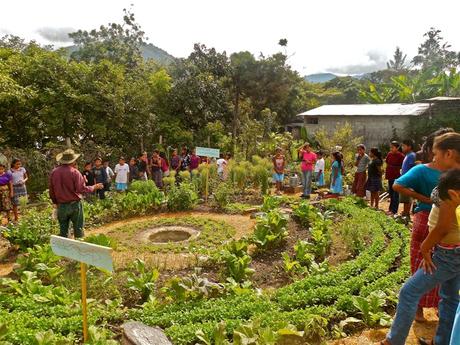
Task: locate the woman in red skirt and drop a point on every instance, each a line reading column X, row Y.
column 418, row 183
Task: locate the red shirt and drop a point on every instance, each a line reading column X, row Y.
column 394, row 165
column 67, row 184
column 194, row 162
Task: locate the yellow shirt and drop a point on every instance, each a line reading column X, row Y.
column 453, row 236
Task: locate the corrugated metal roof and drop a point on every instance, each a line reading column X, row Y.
column 442, row 99
column 393, row 109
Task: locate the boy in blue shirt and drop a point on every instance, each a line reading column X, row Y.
column 408, row 163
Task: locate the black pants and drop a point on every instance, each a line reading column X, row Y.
column 394, row 197
column 101, row 193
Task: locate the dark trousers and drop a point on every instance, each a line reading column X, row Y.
column 100, row 193
column 70, row 212
column 394, row 197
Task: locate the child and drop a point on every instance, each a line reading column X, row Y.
column 121, row 175
column 279, row 161
column 319, row 170
column 157, row 173
column 133, row 172
column 20, row 178
column 221, row 163
column 336, row 174
column 374, row 179
column 175, row 161
column 100, row 176
column 408, row 163
column 142, row 167
column 110, row 175
column 6, row 191
column 88, row 174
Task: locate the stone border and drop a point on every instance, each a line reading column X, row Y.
column 144, row 236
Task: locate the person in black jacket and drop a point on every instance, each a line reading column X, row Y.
column 100, row 176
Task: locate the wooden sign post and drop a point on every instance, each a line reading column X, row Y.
column 86, row 254
column 207, row 152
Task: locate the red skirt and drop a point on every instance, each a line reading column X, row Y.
column 419, row 233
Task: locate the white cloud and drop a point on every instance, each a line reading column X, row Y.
column 56, row 35
column 323, row 34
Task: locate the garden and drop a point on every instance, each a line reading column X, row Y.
column 239, row 267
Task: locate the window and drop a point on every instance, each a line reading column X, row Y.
column 312, row 120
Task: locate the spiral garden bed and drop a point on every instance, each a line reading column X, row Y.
column 348, row 258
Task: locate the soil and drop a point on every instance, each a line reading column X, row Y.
column 338, row 252
column 374, row 336
column 268, row 266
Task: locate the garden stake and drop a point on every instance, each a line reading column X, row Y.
column 207, row 184
column 86, row 254
column 83, row 301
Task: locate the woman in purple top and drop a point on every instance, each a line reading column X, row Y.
column 6, row 191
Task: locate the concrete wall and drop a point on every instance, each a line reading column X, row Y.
column 374, row 129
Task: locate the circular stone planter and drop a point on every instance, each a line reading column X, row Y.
column 167, row 234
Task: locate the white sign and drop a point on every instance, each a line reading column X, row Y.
column 91, row 254
column 207, row 152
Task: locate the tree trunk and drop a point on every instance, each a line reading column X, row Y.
column 236, row 114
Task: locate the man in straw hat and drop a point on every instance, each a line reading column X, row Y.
column 66, row 186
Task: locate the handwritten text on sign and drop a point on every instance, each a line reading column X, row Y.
column 207, row 152
column 91, row 254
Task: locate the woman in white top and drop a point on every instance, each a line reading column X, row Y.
column 20, row 178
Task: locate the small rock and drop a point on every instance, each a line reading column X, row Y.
column 136, row 333
column 257, row 214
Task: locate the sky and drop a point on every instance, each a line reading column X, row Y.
column 339, row 36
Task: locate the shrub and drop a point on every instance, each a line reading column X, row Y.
column 34, row 227
column 223, row 194
column 143, row 187
column 182, row 197
column 261, row 178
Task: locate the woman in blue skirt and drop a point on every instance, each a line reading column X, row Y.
column 336, row 173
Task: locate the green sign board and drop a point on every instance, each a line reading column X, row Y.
column 88, row 253
column 207, row 152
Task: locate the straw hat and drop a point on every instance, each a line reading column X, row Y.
column 67, row 157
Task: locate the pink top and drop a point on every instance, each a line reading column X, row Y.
column 308, row 161
column 67, row 184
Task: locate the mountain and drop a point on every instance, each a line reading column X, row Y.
column 320, row 77
column 149, row 51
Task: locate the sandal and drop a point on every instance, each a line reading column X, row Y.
column 423, row 341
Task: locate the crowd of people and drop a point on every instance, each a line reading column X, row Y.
column 99, row 172
column 427, row 183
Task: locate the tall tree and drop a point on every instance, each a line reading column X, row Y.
column 119, row 43
column 398, row 64
column 435, row 54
